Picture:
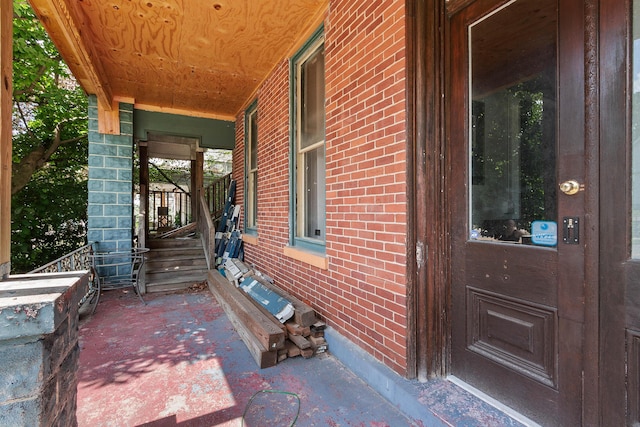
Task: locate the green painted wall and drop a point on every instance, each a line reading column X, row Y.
column 211, row 132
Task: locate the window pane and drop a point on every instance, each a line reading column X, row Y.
column 314, row 194
column 252, row 170
column 309, row 147
column 512, row 133
column 312, row 100
column 252, row 199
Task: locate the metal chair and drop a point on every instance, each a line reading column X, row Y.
column 117, row 270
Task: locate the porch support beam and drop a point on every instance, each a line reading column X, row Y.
column 197, row 182
column 143, row 156
column 6, row 103
column 66, row 25
column 109, row 119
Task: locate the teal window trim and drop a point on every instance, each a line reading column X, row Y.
column 315, row 41
column 252, row 110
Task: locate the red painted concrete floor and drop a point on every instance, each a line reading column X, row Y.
column 177, row 361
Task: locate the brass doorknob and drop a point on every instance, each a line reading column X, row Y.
column 570, row 187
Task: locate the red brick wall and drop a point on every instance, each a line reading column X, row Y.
column 363, row 293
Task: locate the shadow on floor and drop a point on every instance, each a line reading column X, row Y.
column 177, row 361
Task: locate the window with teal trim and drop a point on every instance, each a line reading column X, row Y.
column 308, row 202
column 251, row 168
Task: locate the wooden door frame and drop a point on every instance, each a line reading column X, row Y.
column 429, row 326
column 591, row 405
column 613, row 132
column 428, row 297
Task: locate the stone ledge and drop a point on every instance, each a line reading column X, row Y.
column 36, row 304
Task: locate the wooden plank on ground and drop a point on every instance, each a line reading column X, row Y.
column 263, row 357
column 268, row 333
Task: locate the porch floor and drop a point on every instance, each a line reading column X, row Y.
column 177, row 361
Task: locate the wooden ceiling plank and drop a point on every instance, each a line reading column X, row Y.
column 177, row 54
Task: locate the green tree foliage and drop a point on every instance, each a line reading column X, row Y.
column 49, row 179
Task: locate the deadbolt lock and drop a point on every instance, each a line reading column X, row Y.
column 570, row 187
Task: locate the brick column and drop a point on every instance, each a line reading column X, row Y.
column 110, row 208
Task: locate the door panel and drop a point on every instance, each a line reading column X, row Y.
column 516, row 126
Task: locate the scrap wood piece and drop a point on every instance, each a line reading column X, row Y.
column 264, row 328
column 301, row 342
column 318, row 326
column 317, row 329
column 295, row 329
column 319, row 344
column 292, row 349
column 307, row 352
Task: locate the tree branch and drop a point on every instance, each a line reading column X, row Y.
column 24, row 120
column 36, row 159
column 32, row 86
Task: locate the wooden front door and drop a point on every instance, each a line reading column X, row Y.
column 516, row 124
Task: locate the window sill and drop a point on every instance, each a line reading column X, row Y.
column 250, row 239
column 316, row 260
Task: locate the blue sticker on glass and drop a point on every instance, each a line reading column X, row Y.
column 544, row 233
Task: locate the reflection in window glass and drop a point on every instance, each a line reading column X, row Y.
column 252, row 169
column 512, row 131
column 635, row 136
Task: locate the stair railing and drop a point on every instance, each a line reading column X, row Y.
column 207, row 230
column 80, row 259
column 215, row 195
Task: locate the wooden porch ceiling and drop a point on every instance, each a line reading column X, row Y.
column 196, row 57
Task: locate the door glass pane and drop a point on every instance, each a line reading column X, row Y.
column 512, row 123
column 635, row 136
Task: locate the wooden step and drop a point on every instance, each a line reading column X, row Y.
column 174, row 264
column 168, row 263
column 173, row 243
column 177, row 274
column 166, row 284
column 178, row 250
